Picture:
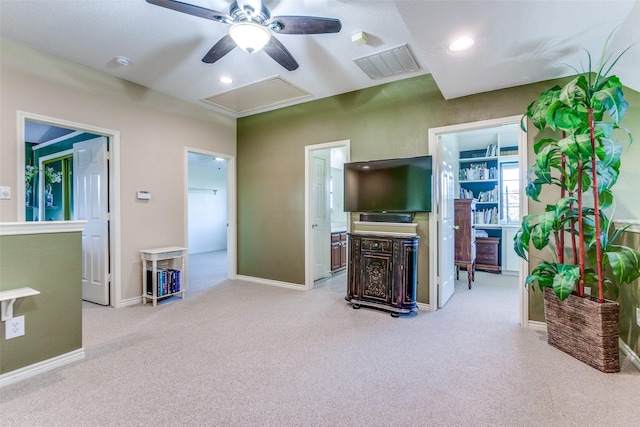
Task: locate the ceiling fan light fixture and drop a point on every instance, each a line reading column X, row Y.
column 249, row 37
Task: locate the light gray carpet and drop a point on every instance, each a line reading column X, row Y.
column 207, row 269
column 244, row 354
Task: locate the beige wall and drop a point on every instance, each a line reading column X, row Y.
column 154, row 129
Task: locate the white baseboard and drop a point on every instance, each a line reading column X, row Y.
column 629, row 354
column 424, row 306
column 130, row 301
column 40, row 367
column 537, row 326
column 269, row 282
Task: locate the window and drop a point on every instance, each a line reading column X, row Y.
column 510, row 192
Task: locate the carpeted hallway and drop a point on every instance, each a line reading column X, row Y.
column 245, row 354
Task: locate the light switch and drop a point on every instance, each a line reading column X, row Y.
column 5, row 193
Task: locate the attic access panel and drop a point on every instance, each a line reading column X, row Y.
column 258, row 95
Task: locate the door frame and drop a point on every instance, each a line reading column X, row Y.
column 231, row 205
column 434, row 221
column 115, row 250
column 309, row 255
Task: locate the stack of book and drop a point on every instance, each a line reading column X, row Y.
column 487, row 216
column 489, row 196
column 167, row 280
column 465, row 194
column 478, row 172
column 492, row 151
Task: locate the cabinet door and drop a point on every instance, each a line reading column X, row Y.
column 343, row 254
column 376, row 277
column 335, row 255
column 405, row 261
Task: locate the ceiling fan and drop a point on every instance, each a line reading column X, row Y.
column 250, row 23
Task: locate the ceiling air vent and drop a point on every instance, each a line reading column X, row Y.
column 390, row 62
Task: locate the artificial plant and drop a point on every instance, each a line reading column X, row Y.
column 583, row 160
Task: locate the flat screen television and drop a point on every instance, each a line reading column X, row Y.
column 393, row 185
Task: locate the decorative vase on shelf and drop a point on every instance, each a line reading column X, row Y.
column 48, row 196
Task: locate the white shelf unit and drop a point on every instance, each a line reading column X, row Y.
column 170, row 257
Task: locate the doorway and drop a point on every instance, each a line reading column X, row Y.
column 209, row 218
column 324, row 209
column 57, row 155
column 449, row 136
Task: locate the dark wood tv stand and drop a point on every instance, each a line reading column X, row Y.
column 382, row 272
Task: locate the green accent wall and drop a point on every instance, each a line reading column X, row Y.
column 49, row 263
column 386, row 121
column 629, row 299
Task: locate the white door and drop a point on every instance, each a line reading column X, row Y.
column 90, row 204
column 447, row 155
column 320, row 225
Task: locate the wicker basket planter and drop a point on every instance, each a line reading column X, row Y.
column 584, row 329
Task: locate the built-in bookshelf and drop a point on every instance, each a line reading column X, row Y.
column 483, row 155
column 478, row 179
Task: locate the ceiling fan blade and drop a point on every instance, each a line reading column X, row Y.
column 304, row 25
column 280, row 54
column 220, row 49
column 191, row 9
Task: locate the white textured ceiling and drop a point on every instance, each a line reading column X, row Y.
column 517, row 42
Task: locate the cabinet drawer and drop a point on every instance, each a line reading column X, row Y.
column 335, row 237
column 487, row 259
column 487, row 250
column 376, row 245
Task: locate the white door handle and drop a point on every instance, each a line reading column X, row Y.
column 456, row 227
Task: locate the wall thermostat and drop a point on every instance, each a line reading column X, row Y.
column 144, row 195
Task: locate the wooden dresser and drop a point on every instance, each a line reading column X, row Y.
column 487, row 254
column 465, row 237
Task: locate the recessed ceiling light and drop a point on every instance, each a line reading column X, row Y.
column 226, row 80
column 122, row 60
column 461, row 44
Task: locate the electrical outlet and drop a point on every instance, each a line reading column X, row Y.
column 638, row 315
column 14, row 327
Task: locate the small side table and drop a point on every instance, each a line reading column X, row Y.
column 172, row 279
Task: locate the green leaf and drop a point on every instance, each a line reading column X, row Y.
column 543, row 274
column 538, row 111
column 624, row 262
column 605, row 198
column 613, row 101
column 540, row 232
column 521, row 243
column 565, row 280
